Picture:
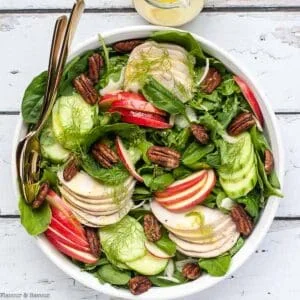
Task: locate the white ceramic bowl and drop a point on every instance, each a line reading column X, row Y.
column 261, row 228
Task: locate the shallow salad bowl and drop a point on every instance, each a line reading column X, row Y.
column 262, row 226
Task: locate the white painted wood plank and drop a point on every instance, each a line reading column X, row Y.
column 108, row 4
column 267, row 43
column 272, row 273
column 290, row 127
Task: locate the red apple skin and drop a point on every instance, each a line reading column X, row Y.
column 250, row 97
column 59, row 236
column 62, row 212
column 181, row 185
column 137, row 105
column 84, row 257
column 188, row 204
column 124, row 157
column 68, row 233
column 184, row 195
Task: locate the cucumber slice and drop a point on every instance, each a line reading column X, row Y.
column 148, row 264
column 50, row 147
column 242, row 187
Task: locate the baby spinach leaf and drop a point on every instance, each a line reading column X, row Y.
column 165, row 244
column 162, row 98
column 217, row 266
column 33, row 98
column 195, row 152
column 35, row 221
column 184, row 39
column 251, row 202
column 113, row 176
column 181, row 172
column 158, row 183
column 112, row 275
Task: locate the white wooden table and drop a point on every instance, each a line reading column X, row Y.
column 263, row 34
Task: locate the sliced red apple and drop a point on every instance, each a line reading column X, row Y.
column 124, row 156
column 197, row 198
column 144, row 119
column 250, row 97
column 82, row 256
column 68, row 233
column 156, row 251
column 181, row 185
column 62, row 212
column 58, row 235
column 107, row 100
column 138, row 105
column 184, row 195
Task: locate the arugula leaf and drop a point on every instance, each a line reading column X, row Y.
column 165, row 244
column 113, row 176
column 183, row 39
column 181, row 172
column 112, row 275
column 217, row 266
column 251, row 203
column 141, row 193
column 229, row 110
column 195, row 152
column 238, row 245
column 33, row 98
column 162, row 98
column 35, row 221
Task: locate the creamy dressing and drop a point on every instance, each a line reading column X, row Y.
column 168, row 16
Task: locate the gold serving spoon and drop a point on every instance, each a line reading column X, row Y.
column 28, row 150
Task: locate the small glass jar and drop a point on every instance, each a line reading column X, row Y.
column 168, row 12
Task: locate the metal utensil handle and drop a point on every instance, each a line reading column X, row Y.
column 57, row 41
column 76, row 13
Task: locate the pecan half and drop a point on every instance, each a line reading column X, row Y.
column 126, row 46
column 269, row 161
column 41, row 196
column 93, row 240
column 241, row 219
column 84, row 86
column 241, row 123
column 152, row 228
column 105, row 156
column 191, row 271
column 139, row 284
column 211, row 81
column 95, row 65
column 200, row 133
column 71, row 169
column 164, row 156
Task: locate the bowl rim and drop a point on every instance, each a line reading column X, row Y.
column 261, row 227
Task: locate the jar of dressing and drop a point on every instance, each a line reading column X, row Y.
column 168, row 12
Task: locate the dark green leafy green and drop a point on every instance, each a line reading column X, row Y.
column 238, row 245
column 251, row 202
column 35, row 221
column 183, row 39
column 33, row 98
column 159, row 182
column 157, row 281
column 217, row 266
column 162, row 98
column 165, row 244
column 195, row 152
column 113, row 176
column 108, row 273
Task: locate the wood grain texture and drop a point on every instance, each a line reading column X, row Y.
column 267, row 43
column 119, row 4
column 270, row 273
column 290, row 206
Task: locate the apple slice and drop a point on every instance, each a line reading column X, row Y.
column 107, row 100
column 62, row 212
column 251, row 99
column 197, row 198
column 138, row 105
column 156, row 251
column 82, row 256
column 124, row 156
column 184, row 195
column 181, row 185
column 68, row 233
column 58, row 235
column 144, row 119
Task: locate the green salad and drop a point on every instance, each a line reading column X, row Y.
column 154, row 163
